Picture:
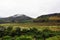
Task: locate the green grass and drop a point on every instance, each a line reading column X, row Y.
column 54, row 38
column 31, row 25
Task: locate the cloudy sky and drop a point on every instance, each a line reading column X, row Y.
column 32, row 8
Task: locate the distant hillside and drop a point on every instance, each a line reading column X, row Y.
column 16, row 18
column 48, row 18
column 21, row 18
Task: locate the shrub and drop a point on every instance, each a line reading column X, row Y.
column 2, row 31
column 6, row 38
column 15, row 32
column 9, row 30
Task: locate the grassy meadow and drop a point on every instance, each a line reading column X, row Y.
column 30, row 31
column 32, row 25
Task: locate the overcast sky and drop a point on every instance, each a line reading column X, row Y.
column 31, row 8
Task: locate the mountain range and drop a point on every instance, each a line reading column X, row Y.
column 55, row 17
column 16, row 18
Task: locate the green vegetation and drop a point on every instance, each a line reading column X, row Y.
column 54, row 38
column 22, row 27
column 39, row 26
column 28, row 31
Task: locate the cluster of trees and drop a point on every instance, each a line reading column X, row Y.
column 35, row 33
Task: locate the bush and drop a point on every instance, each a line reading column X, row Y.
column 2, row 31
column 6, row 38
column 9, row 30
column 23, row 37
column 7, row 33
column 15, row 32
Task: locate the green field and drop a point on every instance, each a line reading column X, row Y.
column 35, row 31
column 32, row 25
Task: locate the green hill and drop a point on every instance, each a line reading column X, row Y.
column 48, row 18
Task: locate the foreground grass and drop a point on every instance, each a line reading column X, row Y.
column 29, row 32
column 54, row 38
column 31, row 25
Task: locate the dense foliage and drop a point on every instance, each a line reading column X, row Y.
column 9, row 33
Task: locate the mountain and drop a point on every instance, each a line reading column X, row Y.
column 55, row 17
column 16, row 18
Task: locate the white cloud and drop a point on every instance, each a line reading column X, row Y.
column 31, row 8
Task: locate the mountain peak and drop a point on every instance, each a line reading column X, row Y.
column 17, row 15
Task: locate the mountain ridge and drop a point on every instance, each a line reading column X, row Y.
column 16, row 18
column 23, row 18
column 55, row 17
